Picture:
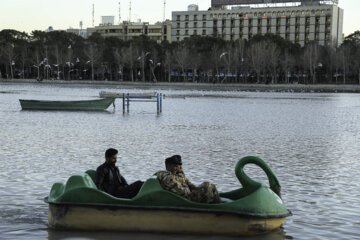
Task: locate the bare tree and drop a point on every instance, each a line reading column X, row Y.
column 311, row 59
column 120, row 59
column 168, row 61
column 357, row 63
column 9, row 53
column 256, row 55
column 93, row 54
column 181, row 56
column 287, row 63
column 239, row 57
column 216, row 61
column 153, row 63
column 272, row 55
column 58, row 57
column 344, row 55
column 130, row 59
column 23, row 57
column 229, row 57
column 36, row 60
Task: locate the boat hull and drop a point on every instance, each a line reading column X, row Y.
column 158, row 220
column 86, row 105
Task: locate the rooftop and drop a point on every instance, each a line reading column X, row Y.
column 218, row 3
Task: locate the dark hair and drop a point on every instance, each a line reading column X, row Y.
column 110, row 152
column 176, row 160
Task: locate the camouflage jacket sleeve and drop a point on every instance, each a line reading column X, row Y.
column 190, row 184
column 174, row 183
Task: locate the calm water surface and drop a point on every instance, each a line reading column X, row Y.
column 311, row 141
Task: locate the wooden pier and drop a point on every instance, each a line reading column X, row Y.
column 136, row 97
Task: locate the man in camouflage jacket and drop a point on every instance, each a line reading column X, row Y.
column 174, row 180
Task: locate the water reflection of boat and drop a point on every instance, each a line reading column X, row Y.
column 84, row 105
column 250, row 210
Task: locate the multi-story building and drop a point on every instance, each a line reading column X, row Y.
column 127, row 30
column 301, row 22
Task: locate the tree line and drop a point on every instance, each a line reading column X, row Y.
column 261, row 59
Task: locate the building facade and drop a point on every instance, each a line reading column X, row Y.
column 128, row 30
column 300, row 24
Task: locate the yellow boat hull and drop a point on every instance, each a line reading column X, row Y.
column 158, row 220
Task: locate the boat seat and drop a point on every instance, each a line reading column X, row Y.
column 77, row 181
column 92, row 174
column 225, row 200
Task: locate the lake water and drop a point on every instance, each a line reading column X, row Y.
column 310, row 140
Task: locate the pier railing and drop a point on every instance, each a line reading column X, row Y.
column 136, row 97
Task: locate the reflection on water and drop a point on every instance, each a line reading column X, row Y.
column 56, row 235
column 309, row 140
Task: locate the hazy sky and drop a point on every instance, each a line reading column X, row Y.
column 28, row 15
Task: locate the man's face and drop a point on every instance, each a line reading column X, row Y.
column 113, row 159
column 174, row 168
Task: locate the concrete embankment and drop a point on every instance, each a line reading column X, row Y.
column 325, row 88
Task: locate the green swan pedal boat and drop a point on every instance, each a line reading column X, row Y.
column 252, row 209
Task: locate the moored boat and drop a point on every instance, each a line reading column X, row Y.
column 83, row 105
column 253, row 209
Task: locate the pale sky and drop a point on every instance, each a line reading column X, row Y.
column 28, row 15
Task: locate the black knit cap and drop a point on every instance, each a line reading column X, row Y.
column 176, row 159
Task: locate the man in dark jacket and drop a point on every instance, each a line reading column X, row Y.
column 109, row 179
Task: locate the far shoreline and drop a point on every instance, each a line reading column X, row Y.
column 305, row 88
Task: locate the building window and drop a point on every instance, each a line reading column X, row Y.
column 195, row 25
column 177, row 32
column 178, row 18
column 215, row 31
column 178, row 25
column 203, row 17
column 204, row 24
column 195, row 32
column 186, row 17
column 328, row 20
column 186, row 25
column 204, row 32
column 186, row 32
